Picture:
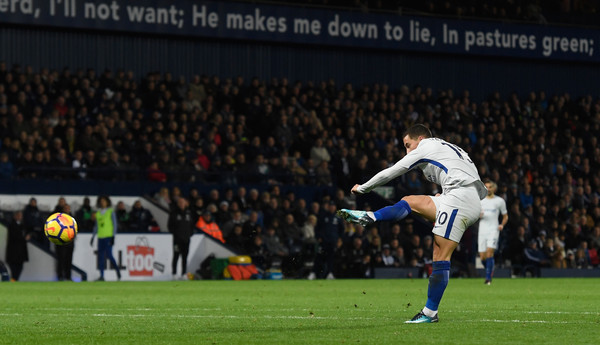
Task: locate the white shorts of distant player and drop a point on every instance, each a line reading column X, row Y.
column 456, row 210
column 487, row 239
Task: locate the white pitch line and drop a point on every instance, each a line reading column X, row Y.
column 294, row 317
column 527, row 312
column 523, row 321
column 316, row 309
column 228, row 316
column 284, row 317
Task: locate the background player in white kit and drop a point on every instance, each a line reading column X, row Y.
column 453, row 211
column 492, row 206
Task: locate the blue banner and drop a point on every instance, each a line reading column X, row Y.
column 308, row 26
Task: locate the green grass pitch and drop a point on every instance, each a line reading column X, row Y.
column 510, row 311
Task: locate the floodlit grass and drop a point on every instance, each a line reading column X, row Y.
column 517, row 311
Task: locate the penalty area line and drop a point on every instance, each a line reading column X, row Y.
column 297, row 317
column 290, row 317
column 523, row 321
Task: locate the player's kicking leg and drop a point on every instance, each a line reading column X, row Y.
column 363, row 218
column 394, row 212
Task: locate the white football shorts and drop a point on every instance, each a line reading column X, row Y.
column 486, row 240
column 456, row 210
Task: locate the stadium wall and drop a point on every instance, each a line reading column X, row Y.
column 58, row 48
column 140, row 257
column 398, row 273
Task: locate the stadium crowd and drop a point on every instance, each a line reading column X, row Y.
column 541, row 149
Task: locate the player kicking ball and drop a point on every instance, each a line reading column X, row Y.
column 453, row 211
column 492, row 206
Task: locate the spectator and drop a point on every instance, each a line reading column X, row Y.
column 359, row 261
column 7, row 169
column 393, row 234
column 198, row 207
column 175, row 194
column 60, row 206
column 399, row 257
column 594, row 238
column 323, row 174
column 582, row 257
column 292, row 234
column 525, row 197
column 387, row 259
column 208, row 226
column 140, row 219
column 319, row 153
column 554, row 253
column 327, row 232
column 223, row 216
column 79, row 165
column 84, row 216
column 277, row 251
column 34, row 222
column 163, row 198
column 155, row 173
column 252, row 226
column 236, row 240
column 122, row 216
column 236, row 219
column 16, row 245
column 308, row 231
column 258, row 253
column 375, row 249
column 534, row 259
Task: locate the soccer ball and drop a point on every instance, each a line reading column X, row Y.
column 60, row 228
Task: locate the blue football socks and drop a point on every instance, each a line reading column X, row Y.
column 437, row 284
column 489, row 268
column 398, row 211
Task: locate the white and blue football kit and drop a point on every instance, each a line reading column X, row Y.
column 449, row 166
column 488, row 235
column 456, row 208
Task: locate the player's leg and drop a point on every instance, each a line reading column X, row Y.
column 175, row 258
column 438, row 281
column 69, row 261
column 112, row 260
column 329, row 259
column 489, row 265
column 421, row 204
column 174, row 261
column 482, row 248
column 102, row 244
column 452, row 214
column 185, row 248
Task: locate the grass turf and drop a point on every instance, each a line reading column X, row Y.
column 533, row 311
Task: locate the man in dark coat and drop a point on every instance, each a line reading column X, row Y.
column 181, row 225
column 16, row 246
column 34, row 221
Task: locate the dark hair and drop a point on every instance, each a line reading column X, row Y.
column 108, row 203
column 416, row 131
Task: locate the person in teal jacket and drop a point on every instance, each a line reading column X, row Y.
column 105, row 227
